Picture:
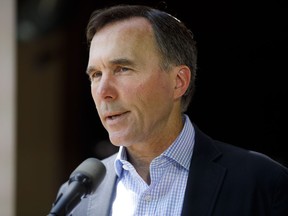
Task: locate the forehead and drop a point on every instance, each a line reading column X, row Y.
column 132, row 25
column 130, row 35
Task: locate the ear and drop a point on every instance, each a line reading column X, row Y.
column 182, row 77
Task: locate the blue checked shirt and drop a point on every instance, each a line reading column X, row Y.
column 169, row 173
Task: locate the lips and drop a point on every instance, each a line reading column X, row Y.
column 115, row 116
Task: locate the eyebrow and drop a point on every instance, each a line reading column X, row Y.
column 118, row 61
column 89, row 70
column 122, row 61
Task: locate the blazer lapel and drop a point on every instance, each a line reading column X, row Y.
column 100, row 202
column 205, row 177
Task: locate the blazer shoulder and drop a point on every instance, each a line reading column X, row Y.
column 254, row 158
column 235, row 157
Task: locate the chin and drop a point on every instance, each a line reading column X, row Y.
column 120, row 142
column 116, row 141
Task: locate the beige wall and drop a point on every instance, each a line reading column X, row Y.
column 7, row 108
column 31, row 109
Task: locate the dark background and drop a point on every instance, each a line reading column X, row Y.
column 240, row 98
column 241, row 91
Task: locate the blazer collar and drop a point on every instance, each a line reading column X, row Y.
column 205, row 177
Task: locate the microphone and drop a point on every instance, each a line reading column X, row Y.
column 83, row 181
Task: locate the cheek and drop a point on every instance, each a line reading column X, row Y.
column 154, row 93
column 160, row 86
column 93, row 90
column 94, row 95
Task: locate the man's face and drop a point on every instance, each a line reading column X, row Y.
column 133, row 96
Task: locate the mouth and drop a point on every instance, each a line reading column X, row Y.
column 115, row 116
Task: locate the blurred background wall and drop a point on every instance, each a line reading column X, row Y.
column 7, row 107
column 50, row 122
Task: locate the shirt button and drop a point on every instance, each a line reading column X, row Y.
column 148, row 198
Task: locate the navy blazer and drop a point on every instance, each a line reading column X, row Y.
column 224, row 180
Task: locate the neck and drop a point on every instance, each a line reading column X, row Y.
column 142, row 166
column 141, row 155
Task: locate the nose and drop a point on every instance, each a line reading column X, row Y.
column 105, row 88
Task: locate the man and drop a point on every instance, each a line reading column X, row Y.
column 142, row 67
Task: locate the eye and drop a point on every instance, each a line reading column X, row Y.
column 121, row 69
column 95, row 75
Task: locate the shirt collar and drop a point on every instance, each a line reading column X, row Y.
column 118, row 164
column 180, row 151
column 182, row 148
